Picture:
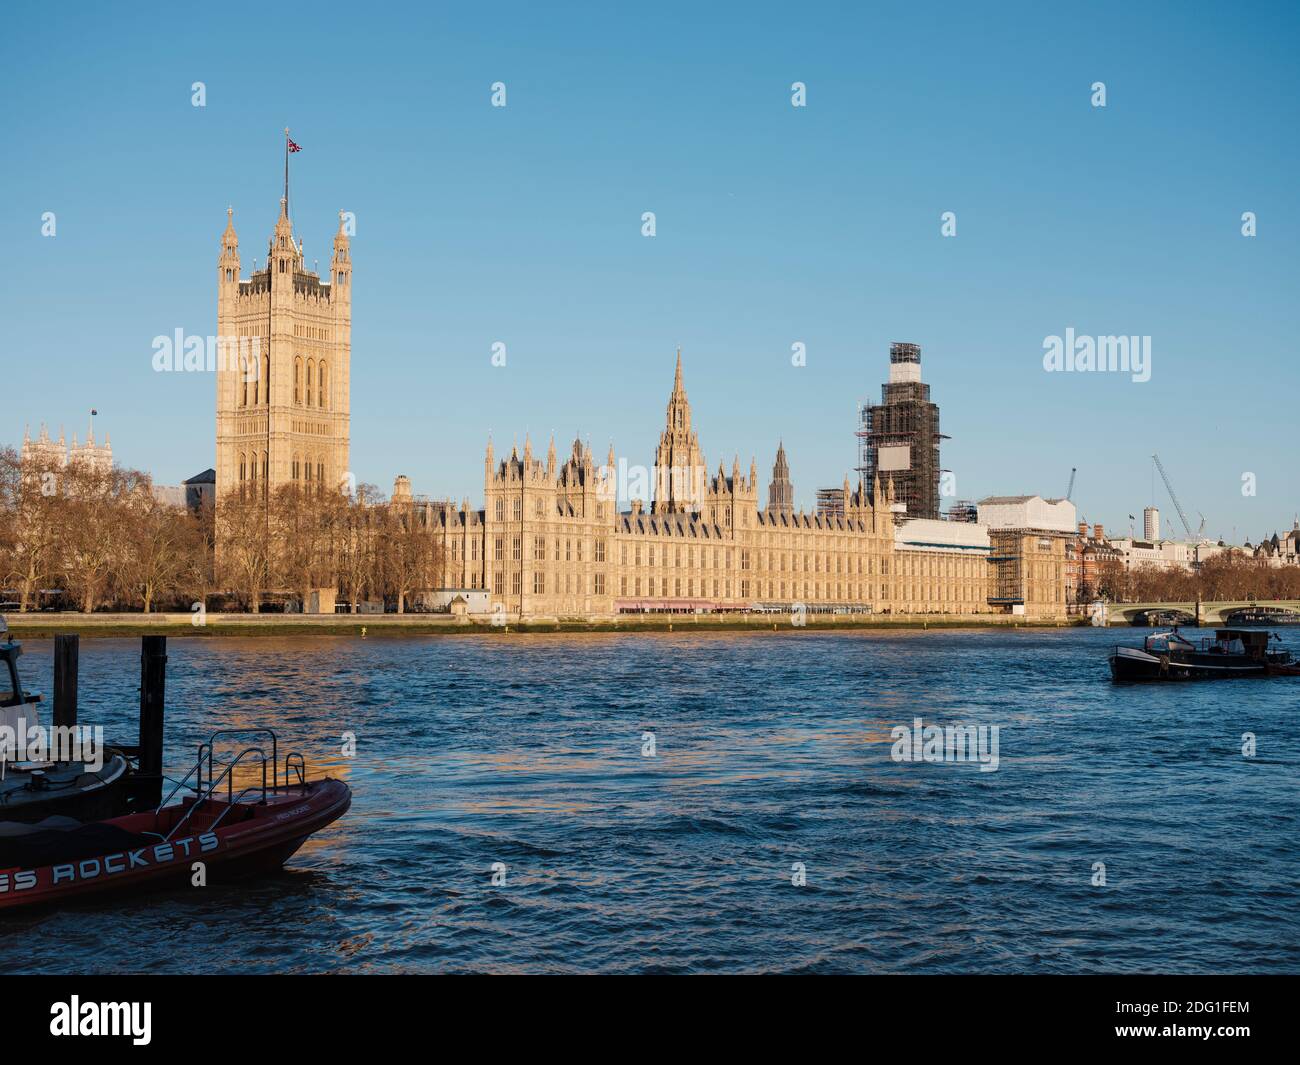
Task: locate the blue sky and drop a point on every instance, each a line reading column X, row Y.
column 775, row 225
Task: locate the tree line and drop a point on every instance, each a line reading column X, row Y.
column 1232, row 576
column 92, row 538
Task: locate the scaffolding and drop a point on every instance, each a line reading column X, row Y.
column 830, row 501
column 963, row 510
column 905, row 427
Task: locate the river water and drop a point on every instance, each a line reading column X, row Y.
column 771, row 763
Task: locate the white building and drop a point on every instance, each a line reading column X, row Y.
column 1166, row 554
column 1027, row 512
column 927, row 533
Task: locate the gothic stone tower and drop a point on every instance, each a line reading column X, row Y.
column 902, row 435
column 680, row 474
column 283, row 401
column 780, row 493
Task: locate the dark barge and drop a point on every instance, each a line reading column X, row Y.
column 1230, row 653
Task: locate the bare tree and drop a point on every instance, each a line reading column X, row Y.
column 159, row 540
column 93, row 530
column 34, row 506
column 197, row 578
column 244, row 546
column 356, row 543
column 409, row 550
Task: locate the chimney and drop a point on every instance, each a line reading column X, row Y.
column 1097, row 532
column 1083, row 530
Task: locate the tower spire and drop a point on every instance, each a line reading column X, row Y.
column 680, row 472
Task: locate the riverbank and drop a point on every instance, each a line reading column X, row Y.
column 44, row 625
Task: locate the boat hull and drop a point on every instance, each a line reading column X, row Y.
column 261, row 842
column 1129, row 664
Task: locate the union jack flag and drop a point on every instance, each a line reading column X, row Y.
column 294, row 147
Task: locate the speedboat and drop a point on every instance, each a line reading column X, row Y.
column 255, row 831
column 1229, row 653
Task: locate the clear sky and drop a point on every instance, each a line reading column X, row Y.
column 775, row 225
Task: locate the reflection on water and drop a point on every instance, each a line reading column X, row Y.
column 769, row 750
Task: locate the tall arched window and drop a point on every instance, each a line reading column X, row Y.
column 243, row 469
column 297, row 379
column 311, row 376
column 266, row 466
column 297, row 467
column 320, row 386
column 320, row 472
column 243, row 378
column 266, row 378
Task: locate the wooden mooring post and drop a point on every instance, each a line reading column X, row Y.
column 153, row 686
column 66, row 652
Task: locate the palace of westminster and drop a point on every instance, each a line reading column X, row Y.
column 552, row 540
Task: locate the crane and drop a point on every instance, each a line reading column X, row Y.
column 1177, row 505
column 1070, row 491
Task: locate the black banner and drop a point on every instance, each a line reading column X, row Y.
column 142, row 1014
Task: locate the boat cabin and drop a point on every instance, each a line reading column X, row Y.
column 1250, row 642
column 16, row 704
column 1162, row 643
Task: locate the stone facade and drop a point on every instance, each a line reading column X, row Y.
column 552, row 541
column 46, row 454
column 283, row 394
column 1278, row 550
column 1032, row 567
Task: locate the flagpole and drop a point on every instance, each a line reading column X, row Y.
column 286, row 171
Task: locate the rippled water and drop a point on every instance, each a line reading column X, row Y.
column 770, row 750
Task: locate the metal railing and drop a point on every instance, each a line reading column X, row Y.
column 201, row 796
column 210, row 743
column 206, row 784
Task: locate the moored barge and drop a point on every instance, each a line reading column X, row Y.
column 1229, row 654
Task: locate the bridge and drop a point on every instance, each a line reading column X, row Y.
column 1207, row 614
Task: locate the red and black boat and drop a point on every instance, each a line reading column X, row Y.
column 234, row 835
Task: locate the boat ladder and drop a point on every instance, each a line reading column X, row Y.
column 206, row 782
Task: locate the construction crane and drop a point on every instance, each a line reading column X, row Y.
column 1177, row 505
column 1070, row 491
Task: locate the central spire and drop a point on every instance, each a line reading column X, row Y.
column 679, row 463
